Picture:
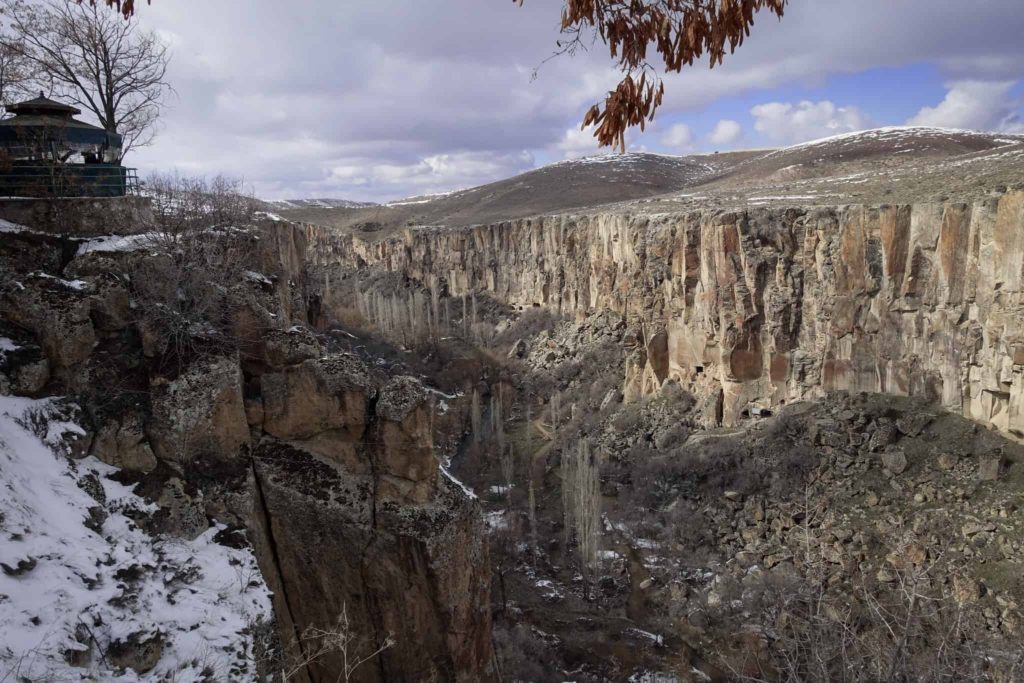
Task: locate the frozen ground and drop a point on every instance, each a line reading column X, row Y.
column 86, row 593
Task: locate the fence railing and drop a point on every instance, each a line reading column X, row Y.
column 68, row 180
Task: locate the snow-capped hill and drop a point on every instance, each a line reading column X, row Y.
column 863, row 154
column 87, row 594
column 899, row 138
column 422, row 198
column 316, row 203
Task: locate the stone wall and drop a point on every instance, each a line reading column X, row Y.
column 766, row 306
column 80, row 216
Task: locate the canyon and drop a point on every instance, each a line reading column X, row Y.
column 766, row 306
column 760, row 355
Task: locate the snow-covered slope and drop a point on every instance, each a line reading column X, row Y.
column 86, row 594
column 321, row 203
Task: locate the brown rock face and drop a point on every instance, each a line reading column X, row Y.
column 200, row 413
column 57, row 313
column 362, row 522
column 122, row 443
column 774, row 305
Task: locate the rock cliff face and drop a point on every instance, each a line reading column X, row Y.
column 354, row 518
column 330, row 465
column 765, row 306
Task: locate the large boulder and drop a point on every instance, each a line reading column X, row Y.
column 56, row 311
column 121, row 442
column 199, row 413
column 282, row 348
column 406, row 464
column 323, row 402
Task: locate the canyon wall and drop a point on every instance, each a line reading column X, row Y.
column 328, row 464
column 764, row 306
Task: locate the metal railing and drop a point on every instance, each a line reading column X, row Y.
column 69, row 180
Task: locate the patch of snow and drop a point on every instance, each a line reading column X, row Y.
column 465, row 489
column 495, row 520
column 660, row 677
column 258, row 278
column 653, row 637
column 120, row 243
column 77, row 285
column 270, row 216
column 782, row 197
column 200, row 596
column 550, row 590
column 7, row 226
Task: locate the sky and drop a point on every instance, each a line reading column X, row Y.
column 380, row 100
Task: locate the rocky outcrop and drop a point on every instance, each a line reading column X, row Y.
column 330, row 466
column 354, row 519
column 765, row 306
column 200, row 413
column 80, row 216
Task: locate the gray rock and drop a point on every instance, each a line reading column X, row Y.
column 990, row 468
column 139, row 652
column 894, row 460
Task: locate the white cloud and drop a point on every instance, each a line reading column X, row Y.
column 726, row 133
column 785, row 123
column 975, row 105
column 679, row 137
column 315, row 101
column 576, row 143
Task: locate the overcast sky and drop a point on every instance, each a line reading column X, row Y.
column 381, row 99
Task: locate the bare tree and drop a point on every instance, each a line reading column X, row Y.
column 94, row 59
column 339, row 640
column 200, row 266
column 15, row 74
column 581, row 502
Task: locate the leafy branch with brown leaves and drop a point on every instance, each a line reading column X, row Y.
column 680, row 32
column 125, row 7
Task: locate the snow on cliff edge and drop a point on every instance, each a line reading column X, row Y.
column 86, row 594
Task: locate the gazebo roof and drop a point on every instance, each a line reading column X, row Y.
column 43, row 106
column 42, row 117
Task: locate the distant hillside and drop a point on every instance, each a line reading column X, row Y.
column 562, row 186
column 870, row 150
column 319, row 203
column 884, row 161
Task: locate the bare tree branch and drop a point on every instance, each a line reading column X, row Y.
column 93, row 59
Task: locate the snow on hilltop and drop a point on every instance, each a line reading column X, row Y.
column 323, row 203
column 898, row 137
column 86, row 594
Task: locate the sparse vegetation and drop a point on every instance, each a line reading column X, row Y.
column 200, row 272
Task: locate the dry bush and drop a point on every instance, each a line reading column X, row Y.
column 909, row 629
column 186, row 205
column 339, row 640
column 190, row 287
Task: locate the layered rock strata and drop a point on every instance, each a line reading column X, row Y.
column 764, row 306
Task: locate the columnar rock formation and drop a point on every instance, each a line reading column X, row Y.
column 768, row 305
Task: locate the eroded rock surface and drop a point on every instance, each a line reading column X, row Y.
column 765, row 305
